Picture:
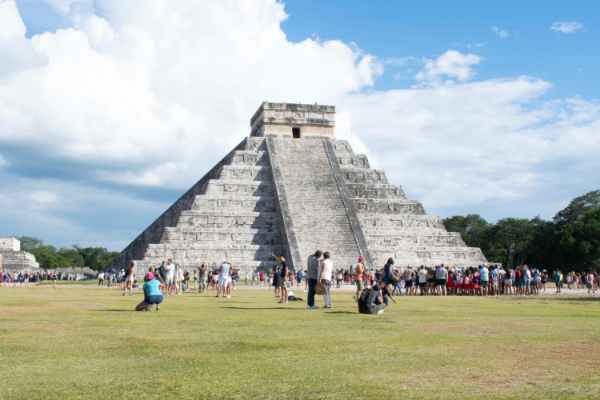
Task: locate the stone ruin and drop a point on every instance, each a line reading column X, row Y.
column 12, row 259
column 290, row 188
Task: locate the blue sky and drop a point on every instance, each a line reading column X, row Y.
column 392, row 29
column 110, row 109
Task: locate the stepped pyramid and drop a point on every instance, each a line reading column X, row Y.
column 290, row 188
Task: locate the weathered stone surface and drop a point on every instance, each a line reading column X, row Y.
column 12, row 259
column 290, row 188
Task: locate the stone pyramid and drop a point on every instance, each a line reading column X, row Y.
column 290, row 188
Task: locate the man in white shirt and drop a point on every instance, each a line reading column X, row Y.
column 170, row 276
column 326, row 276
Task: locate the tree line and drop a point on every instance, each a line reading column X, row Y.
column 570, row 241
column 50, row 257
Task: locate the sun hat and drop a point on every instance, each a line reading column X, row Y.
column 149, row 276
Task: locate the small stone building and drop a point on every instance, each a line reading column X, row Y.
column 12, row 259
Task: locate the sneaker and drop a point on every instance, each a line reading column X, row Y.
column 314, row 307
column 327, row 307
column 380, row 312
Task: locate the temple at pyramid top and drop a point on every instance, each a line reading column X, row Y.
column 290, row 188
column 293, row 120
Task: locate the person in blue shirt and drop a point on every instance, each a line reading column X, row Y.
column 152, row 293
column 484, row 275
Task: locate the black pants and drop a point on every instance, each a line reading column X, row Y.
column 312, row 284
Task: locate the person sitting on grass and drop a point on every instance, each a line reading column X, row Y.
column 374, row 300
column 152, row 293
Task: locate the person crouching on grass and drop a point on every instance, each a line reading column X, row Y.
column 375, row 299
column 152, row 293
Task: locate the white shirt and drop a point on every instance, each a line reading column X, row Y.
column 327, row 269
column 422, row 274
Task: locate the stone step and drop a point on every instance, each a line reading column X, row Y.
column 255, row 144
column 190, row 265
column 375, row 190
column 318, row 217
column 353, row 175
column 248, row 188
column 388, row 206
column 271, row 238
column 255, row 203
column 223, row 219
column 181, row 245
column 237, row 255
column 245, row 173
column 395, row 240
column 353, row 161
column 374, row 220
column 245, row 157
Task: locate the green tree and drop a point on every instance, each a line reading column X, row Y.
column 577, row 208
column 29, row 244
column 580, row 241
column 472, row 228
column 510, row 240
column 97, row 258
column 71, row 257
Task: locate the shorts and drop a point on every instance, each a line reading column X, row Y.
column 360, row 285
column 483, row 283
column 154, row 299
column 422, row 284
column 170, row 279
column 408, row 284
column 440, row 282
column 224, row 280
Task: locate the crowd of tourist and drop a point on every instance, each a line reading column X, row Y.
column 25, row 278
column 373, row 287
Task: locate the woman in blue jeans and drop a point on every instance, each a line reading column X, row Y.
column 152, row 293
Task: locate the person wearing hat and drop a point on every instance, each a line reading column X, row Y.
column 152, row 293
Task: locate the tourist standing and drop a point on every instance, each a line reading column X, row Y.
column 283, row 278
column 558, row 277
column 422, row 280
column 441, row 280
column 312, row 277
column 224, row 280
column 202, row 278
column 129, row 278
column 326, row 277
column 359, row 276
column 484, row 275
column 170, row 276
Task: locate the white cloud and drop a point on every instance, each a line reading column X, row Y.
column 67, row 213
column 471, row 144
column 10, row 20
column 156, row 88
column 566, row 26
column 450, row 66
column 501, row 33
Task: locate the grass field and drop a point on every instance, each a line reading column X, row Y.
column 86, row 343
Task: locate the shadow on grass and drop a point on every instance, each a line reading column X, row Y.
column 589, row 299
column 263, row 308
column 556, row 298
column 341, row 312
column 116, row 310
